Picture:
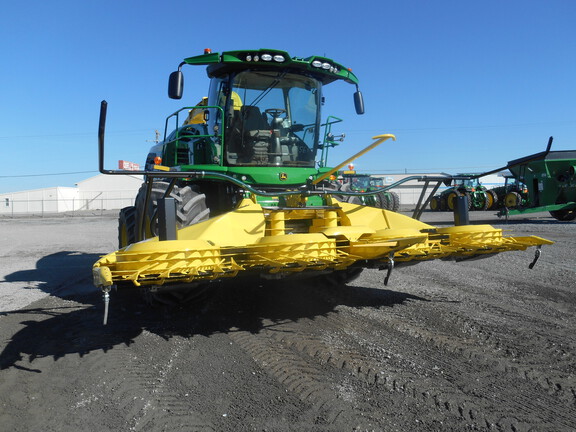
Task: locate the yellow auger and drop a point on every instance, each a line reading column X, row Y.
column 270, row 243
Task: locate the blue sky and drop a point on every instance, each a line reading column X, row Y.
column 465, row 86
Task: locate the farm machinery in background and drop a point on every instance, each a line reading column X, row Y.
column 513, row 194
column 544, row 181
column 478, row 197
column 353, row 181
column 240, row 188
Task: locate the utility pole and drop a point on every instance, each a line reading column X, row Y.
column 157, row 140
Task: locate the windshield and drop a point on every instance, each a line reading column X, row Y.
column 272, row 119
column 361, row 182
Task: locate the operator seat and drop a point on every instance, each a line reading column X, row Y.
column 256, row 134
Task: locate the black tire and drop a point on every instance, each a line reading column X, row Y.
column 443, row 205
column 492, row 199
column 435, row 204
column 453, row 196
column 564, row 215
column 383, row 200
column 395, row 201
column 190, row 207
column 468, row 200
column 483, row 201
column 450, row 200
column 127, row 221
column 512, row 200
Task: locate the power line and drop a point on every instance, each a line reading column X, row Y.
column 49, row 174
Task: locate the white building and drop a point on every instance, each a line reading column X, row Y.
column 101, row 192
column 110, row 192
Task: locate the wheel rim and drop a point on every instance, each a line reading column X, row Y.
column 511, row 200
column 489, row 200
column 450, row 200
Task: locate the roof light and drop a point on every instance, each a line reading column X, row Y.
column 266, row 57
column 326, row 66
column 256, row 58
column 248, row 57
column 207, row 51
column 279, row 58
column 317, row 63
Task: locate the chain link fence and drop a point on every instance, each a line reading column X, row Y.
column 96, row 205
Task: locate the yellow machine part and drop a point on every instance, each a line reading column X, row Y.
column 256, row 240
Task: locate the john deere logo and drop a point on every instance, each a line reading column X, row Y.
column 283, row 176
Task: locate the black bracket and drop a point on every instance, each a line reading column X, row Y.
column 167, row 219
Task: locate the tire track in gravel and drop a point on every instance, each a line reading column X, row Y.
column 432, row 346
column 313, row 367
column 395, row 353
column 531, row 342
column 310, row 382
column 123, row 368
column 135, row 383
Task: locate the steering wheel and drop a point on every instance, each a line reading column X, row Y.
column 274, row 112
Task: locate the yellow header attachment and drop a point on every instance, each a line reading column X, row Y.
column 261, row 242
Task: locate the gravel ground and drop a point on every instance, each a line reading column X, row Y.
column 477, row 345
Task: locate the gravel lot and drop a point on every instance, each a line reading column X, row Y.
column 477, row 345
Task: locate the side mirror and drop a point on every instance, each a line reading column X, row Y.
column 176, row 85
column 359, row 102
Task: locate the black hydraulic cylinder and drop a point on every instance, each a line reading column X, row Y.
column 167, row 219
column 461, row 216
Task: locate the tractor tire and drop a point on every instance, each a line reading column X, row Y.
column 468, row 200
column 395, row 201
column 482, row 201
column 435, row 203
column 127, row 221
column 190, row 207
column 443, row 203
column 492, row 199
column 512, row 200
column 451, row 200
column 383, row 201
column 564, row 215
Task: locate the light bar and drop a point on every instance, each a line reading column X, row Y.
column 278, row 58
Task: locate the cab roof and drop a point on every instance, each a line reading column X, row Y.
column 322, row 68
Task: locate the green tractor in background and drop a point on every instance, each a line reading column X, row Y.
column 355, row 182
column 478, row 196
column 545, row 181
column 514, row 194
